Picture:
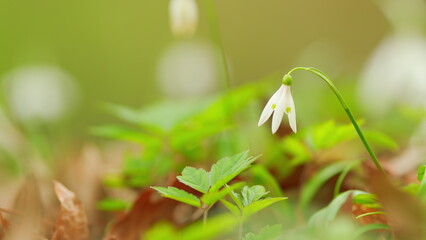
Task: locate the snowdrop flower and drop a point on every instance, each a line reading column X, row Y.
column 281, row 102
column 183, row 17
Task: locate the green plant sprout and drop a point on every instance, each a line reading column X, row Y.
column 249, row 201
column 282, row 102
column 210, row 184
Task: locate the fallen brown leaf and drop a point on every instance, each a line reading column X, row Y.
column 71, row 223
column 147, row 209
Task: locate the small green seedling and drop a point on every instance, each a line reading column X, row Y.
column 210, row 184
column 251, row 200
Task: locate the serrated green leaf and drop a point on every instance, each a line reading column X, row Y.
column 267, row 233
column 178, row 195
column 237, row 199
column 198, row 179
column 259, row 205
column 212, row 197
column 228, row 168
column 231, row 207
column 252, row 194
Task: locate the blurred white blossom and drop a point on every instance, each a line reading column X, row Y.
column 183, row 17
column 395, row 74
column 396, row 70
column 39, row 93
column 188, row 69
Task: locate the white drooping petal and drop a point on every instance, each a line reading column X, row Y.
column 290, row 110
column 268, row 110
column 183, row 17
column 279, row 110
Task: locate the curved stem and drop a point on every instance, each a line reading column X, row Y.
column 345, row 106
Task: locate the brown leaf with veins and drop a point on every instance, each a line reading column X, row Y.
column 71, row 223
column 148, row 209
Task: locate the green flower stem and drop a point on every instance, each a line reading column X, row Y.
column 342, row 101
column 217, row 38
column 240, row 228
column 205, row 214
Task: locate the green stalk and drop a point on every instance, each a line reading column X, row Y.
column 345, row 106
column 205, row 214
column 217, row 38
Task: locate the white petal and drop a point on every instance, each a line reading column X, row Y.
column 183, row 17
column 279, row 111
column 290, row 110
column 267, row 111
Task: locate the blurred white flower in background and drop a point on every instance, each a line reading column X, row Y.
column 396, row 70
column 188, row 69
column 395, row 74
column 183, row 17
column 39, row 93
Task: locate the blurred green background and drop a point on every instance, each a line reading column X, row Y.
column 112, row 49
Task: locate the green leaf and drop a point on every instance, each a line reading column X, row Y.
column 370, row 227
column 325, row 216
column 267, row 233
column 421, row 172
column 328, row 135
column 264, row 177
column 237, row 199
column 381, row 139
column 231, row 207
column 296, row 149
column 161, row 231
column 110, row 204
column 342, row 176
column 252, row 194
column 228, row 168
column 314, row 184
column 126, row 134
column 421, row 192
column 259, row 205
column 212, row 197
column 198, row 179
column 179, row 195
column 367, row 199
column 215, row 228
